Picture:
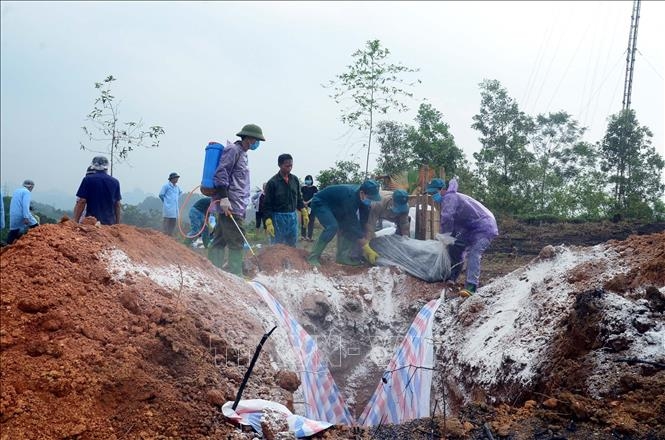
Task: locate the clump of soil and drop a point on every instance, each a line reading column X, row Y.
column 277, row 258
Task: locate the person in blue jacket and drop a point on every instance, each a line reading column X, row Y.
column 343, row 210
column 2, row 212
column 198, row 214
column 20, row 217
column 170, row 197
column 471, row 224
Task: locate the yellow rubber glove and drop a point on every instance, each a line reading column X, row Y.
column 370, row 254
column 270, row 229
column 305, row 216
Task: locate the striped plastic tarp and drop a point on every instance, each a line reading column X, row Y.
column 404, row 391
column 323, row 401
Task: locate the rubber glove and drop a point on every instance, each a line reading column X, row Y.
column 305, row 216
column 225, row 204
column 370, row 254
column 270, row 229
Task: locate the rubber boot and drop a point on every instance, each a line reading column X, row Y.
column 235, row 262
column 456, row 253
column 316, row 252
column 344, row 248
column 469, row 289
column 216, row 256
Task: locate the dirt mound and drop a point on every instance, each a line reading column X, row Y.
column 114, row 332
column 573, row 338
column 278, row 258
column 118, row 332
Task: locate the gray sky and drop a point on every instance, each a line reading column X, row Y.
column 204, row 69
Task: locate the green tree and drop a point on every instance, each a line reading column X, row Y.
column 370, row 87
column 584, row 184
column 432, row 143
column 150, row 203
column 553, row 142
column 118, row 139
column 633, row 165
column 344, row 171
column 396, row 152
column 504, row 164
column 133, row 215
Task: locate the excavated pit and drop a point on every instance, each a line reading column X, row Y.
column 120, row 332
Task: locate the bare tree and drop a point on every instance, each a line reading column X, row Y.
column 118, row 138
column 373, row 86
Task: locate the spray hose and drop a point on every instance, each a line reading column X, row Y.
column 205, row 220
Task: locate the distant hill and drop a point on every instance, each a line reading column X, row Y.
column 55, row 214
column 150, row 203
column 66, row 201
column 55, row 204
column 55, row 199
column 135, row 196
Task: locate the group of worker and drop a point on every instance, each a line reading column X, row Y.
column 346, row 211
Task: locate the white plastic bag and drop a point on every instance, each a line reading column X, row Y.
column 425, row 259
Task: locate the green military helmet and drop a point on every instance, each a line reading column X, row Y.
column 252, row 130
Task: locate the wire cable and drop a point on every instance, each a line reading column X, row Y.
column 539, row 58
column 595, row 49
column 610, row 49
column 565, row 72
column 549, row 67
column 650, row 65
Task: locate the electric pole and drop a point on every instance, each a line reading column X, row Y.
column 630, row 55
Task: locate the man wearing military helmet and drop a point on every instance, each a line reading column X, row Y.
column 232, row 187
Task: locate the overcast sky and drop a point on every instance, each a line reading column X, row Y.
column 204, row 69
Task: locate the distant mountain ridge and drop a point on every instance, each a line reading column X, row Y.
column 66, row 201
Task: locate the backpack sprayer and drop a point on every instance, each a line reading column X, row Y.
column 213, row 154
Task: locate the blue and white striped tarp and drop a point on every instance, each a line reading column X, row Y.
column 323, row 401
column 403, row 393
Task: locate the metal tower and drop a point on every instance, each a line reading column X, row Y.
column 630, row 55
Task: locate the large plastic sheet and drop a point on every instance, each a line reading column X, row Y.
column 404, row 391
column 425, row 259
column 323, row 399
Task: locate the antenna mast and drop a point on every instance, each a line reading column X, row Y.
column 630, row 55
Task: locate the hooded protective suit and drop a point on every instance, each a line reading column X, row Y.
column 471, row 223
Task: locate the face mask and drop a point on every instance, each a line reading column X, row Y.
column 255, row 145
column 437, row 197
column 367, row 202
column 308, row 182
